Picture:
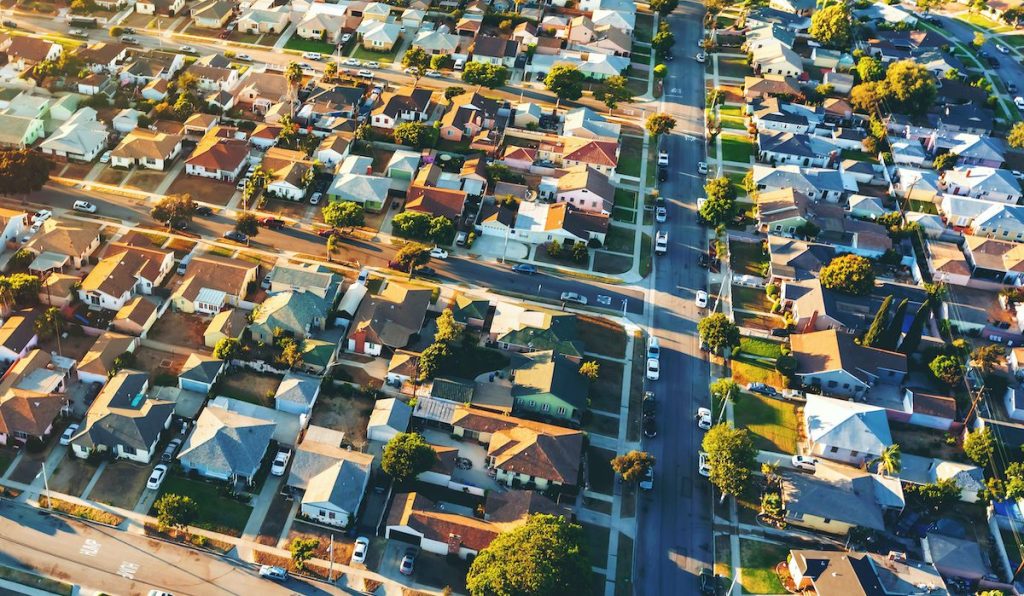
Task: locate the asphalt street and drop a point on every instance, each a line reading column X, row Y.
column 674, row 529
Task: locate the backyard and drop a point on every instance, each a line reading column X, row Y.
column 748, row 258
column 348, row 413
column 757, row 566
column 216, row 512
column 773, row 423
column 251, row 387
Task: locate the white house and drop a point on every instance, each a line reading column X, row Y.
column 389, row 418
column 845, row 431
column 332, row 479
column 81, row 138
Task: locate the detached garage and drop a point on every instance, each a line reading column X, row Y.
column 389, row 417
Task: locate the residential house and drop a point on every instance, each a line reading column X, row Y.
column 58, row 244
column 994, row 260
column 290, row 170
column 782, row 211
column 816, row 308
column 102, row 356
column 403, row 165
column 538, row 223
column 521, row 328
column 123, row 420
column 218, row 158
column 527, row 114
column 17, row 336
column 332, row 478
column 402, row 368
column 212, row 14
column 469, row 311
column 836, row 499
column 297, row 394
column 272, row 20
column 19, row 132
column 982, row 183
column 498, row 51
column 418, row 520
column 437, row 42
column 830, row 573
column 13, row 222
column 468, row 115
column 200, row 373
column 333, row 150
column 134, row 265
column 103, row 56
column 815, row 183
column 775, row 58
column 779, row 148
column 213, row 282
column 587, row 189
column 136, row 317
column 771, row 85
column 308, row 278
column 922, row 470
column 378, row 36
column 26, row 52
column 228, row 323
column 354, row 182
column 145, row 148
column 226, row 445
column 1000, row 221
column 32, row 396
column 959, row 556
column 211, row 78
column 907, row 152
column 58, row 289
column 389, row 417
column 82, row 138
column 549, row 386
column 321, row 26
column 407, row 104
column 388, row 320
column 830, row 361
column 167, row 8
column 261, row 90
column 845, row 431
column 436, row 202
column 586, row 123
column 773, row 114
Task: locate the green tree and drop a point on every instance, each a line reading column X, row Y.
column 411, row 256
column 910, row 86
column 660, row 71
column 302, row 550
column 1016, row 136
column 913, row 337
column 174, row 210
column 546, row 556
column 870, row 69
column 663, row 7
column 431, row 360
column 175, row 511
column 988, row 357
column 771, row 507
column 332, row 247
column 718, row 332
column 247, row 224
column 936, row 496
column 832, row 26
column 441, row 62
column 344, row 214
column 614, row 91
column 330, row 70
column 945, row 161
column 491, row 76
column 20, row 260
column 849, row 274
column 407, row 455
column 878, row 324
column 980, row 445
column 663, row 41
column 725, row 390
column 227, row 349
column 580, row 253
column 720, row 202
column 565, row 81
column 22, row 171
column 453, row 91
column 24, row 287
column 448, row 330
column 889, row 462
column 441, row 230
column 786, row 364
column 291, row 352
column 659, row 124
column 865, row 96
column 947, row 369
column 731, row 457
column 418, row 59
column 633, row 465
column 891, row 336
column 411, row 224
column 979, row 39
column 590, row 369
column 416, row 134
column 49, row 323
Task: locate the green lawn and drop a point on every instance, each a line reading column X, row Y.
column 737, row 182
column 646, row 246
column 733, row 124
column 620, row 239
column 623, row 215
column 1016, row 41
column 747, row 258
column 630, row 155
column 597, row 538
column 309, row 45
column 734, row 66
column 625, row 198
column 983, row 22
column 744, row 371
column 383, row 57
column 216, row 512
column 731, row 111
column 857, row 154
column 923, row 207
column 736, row 148
column 761, row 347
column 644, row 27
column 750, row 299
column 757, row 567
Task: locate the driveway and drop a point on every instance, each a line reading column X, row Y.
column 490, row 247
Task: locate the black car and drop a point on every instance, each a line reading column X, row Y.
column 11, row 24
column 662, row 173
column 703, row 260
column 780, row 332
column 179, row 225
column 649, row 404
column 1011, row 87
column 992, row 62
column 204, row 211
column 236, row 236
column 426, row 271
column 708, row 582
column 650, row 427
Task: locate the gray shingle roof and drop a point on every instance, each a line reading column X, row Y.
column 225, row 441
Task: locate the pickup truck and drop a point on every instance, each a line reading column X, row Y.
column 661, row 243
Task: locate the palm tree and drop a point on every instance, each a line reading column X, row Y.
column 332, row 246
column 889, row 461
column 294, row 76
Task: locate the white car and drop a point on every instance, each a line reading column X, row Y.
column 243, row 57
column 703, row 466
column 702, row 57
column 663, row 158
column 85, row 206
column 365, row 73
column 359, row 552
column 352, row 62
column 702, row 299
column 702, row 168
column 653, row 348
column 188, row 49
column 78, row 32
column 1019, row 102
column 661, row 215
column 412, row 70
column 438, row 253
column 157, row 477
column 311, row 55
column 703, row 418
column 280, row 462
column 661, row 243
column 573, row 297
column 373, row 64
column 105, row 158
column 42, row 215
column 315, row 198
column 1002, row 48
column 653, row 369
column 433, row 74
column 65, row 439
column 345, row 38
column 807, row 464
column 647, row 483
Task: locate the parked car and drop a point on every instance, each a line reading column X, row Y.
column 708, row 582
column 128, row 39
column 426, row 271
column 345, row 38
column 653, row 347
column 364, row 274
column 312, row 55
column 649, row 405
column 653, row 369
column 662, row 173
column 373, row 64
column 573, row 297
column 702, row 57
column 661, row 243
column 243, row 57
column 663, row 158
column 170, row 450
column 157, row 477
column 84, row 206
column 236, row 236
column 661, row 215
column 1003, row 49
column 703, row 467
column 274, row 573
column 105, row 158
column 204, row 211
column 42, row 215
column 188, row 50
column 10, row 23
column 65, row 439
column 438, row 253
column 353, row 62
column 365, row 73
column 802, row 462
column 272, row 222
column 701, row 299
column 704, row 418
column 526, row 268
column 780, row 332
column 412, row 70
column 703, row 260
column 433, row 74
column 359, row 551
column 78, row 32
column 650, row 427
column 762, row 389
column 702, row 168
column 315, row 198
column 280, row 461
column 1019, row 102
column 405, row 567
column 647, row 483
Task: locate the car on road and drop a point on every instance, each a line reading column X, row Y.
column 661, row 215
column 650, row 427
column 526, row 268
column 763, row 389
column 703, row 260
column 272, row 222
column 802, row 462
column 105, row 158
column 1011, row 87
column 702, row 168
column 703, row 418
column 662, row 173
column 434, row 74
column 128, row 39
column 327, row 233
column 42, row 215
column 312, row 55
column 157, row 477
column 170, row 450
column 412, row 70
column 189, row 50
column 353, row 62
column 373, row 64
column 708, row 582
column 315, row 198
column 405, row 567
column 1003, row 49
column 236, row 236
column 359, row 551
column 663, row 158
column 934, row 20
column 158, row 593
column 701, row 57
column 280, row 461
column 653, row 347
column 243, row 57
column 703, row 467
column 274, row 573
column 653, row 369
column 647, row 483
column 438, row 253
column 661, row 243
column 649, row 405
column 426, row 271
column 573, row 297
column 84, row 206
column 992, row 61
column 204, row 211
column 69, row 432
column 345, row 38
column 1019, row 102
column 10, row 23
column 78, row 32
column 701, row 299
column 365, row 73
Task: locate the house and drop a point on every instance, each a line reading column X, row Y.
column 527, row 114
column 378, row 36
column 982, row 183
column 995, row 260
column 101, row 357
column 17, row 336
column 297, row 394
column 332, row 150
column 436, row 202
column 956, row 557
column 332, row 478
column 136, row 317
column 123, row 421
column 32, row 396
column 354, row 183
column 297, row 314
column 841, row 82
column 549, row 386
column 81, row 138
column 469, row 114
column 907, row 152
column 257, row 21
column 1000, row 221
column 775, row 58
column 816, row 308
column 218, row 158
column 58, row 244
column 200, row 373
column 212, row 282
column 521, row 328
column 815, row 183
column 307, row 278
column 261, row 90
column 436, row 42
column 388, row 418
column 587, row 189
column 585, row 123
column 830, row 360
column 13, row 222
column 26, row 52
column 407, row 104
column 125, row 270
column 145, row 148
column 831, row 573
column 103, row 56
column 470, row 312
column 168, row 8
column 524, row 453
column 210, row 78
column 321, row 26
column 19, row 132
column 771, row 85
column 845, row 431
column 403, row 165
column 795, row 148
column 403, row 367
column 919, row 470
column 539, row 223
column 498, row 51
column 212, row 14
column 836, row 499
column 417, row 520
column 228, row 323
column 226, row 445
column 388, row 319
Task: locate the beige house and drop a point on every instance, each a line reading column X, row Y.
column 226, row 324
column 212, row 283
column 58, row 245
column 146, row 148
column 136, row 317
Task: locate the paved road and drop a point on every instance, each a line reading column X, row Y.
column 117, row 562
column 674, row 530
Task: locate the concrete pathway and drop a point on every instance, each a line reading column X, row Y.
column 169, row 179
column 95, row 478
column 260, row 505
column 285, row 36
column 282, row 540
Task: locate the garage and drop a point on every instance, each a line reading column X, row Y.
column 396, row 534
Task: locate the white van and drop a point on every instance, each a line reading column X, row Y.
column 460, row 63
column 183, row 264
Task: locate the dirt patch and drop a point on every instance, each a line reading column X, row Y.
column 71, row 476
column 28, row 468
column 284, row 208
column 273, row 523
column 181, row 247
column 360, row 377
column 146, row 180
column 77, row 171
column 181, row 329
column 342, row 545
column 156, row 362
column 72, row 346
column 202, row 189
column 112, row 176
column 347, row 414
column 121, row 484
column 250, row 387
column 601, row 336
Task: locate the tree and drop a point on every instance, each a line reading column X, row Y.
column 448, row 330
column 947, row 369
column 505, row 26
column 731, row 457
column 407, row 455
column 431, row 359
column 293, row 75
column 227, row 349
column 411, row 224
column 875, row 331
column 913, row 337
column 247, row 224
column 937, row 496
column 980, row 445
column 910, row 86
column 441, row 230
column 418, row 59
column 545, row 556
column 951, row 74
column 291, row 352
column 720, row 202
column 663, row 41
column 787, row 364
column 771, row 506
column 945, row 161
column 175, row 511
column 23, row 286
column 633, row 465
column 49, row 323
column 22, row 171
column 979, row 39
column 988, row 357
column 491, row 76
column 870, row 69
column 302, row 550
column 660, row 71
column 718, row 332
column 659, row 124
column 663, row 7
column 891, row 336
column 344, row 214
column 849, row 274
column 330, row 70
column 1016, row 136
column 332, row 247
column 865, row 96
column 115, row 31
column 614, row 91
column 565, row 81
column 832, row 26
column 411, row 256
column 453, row 91
column 590, row 369
column 174, row 210
column 20, row 260
column 441, row 61
column 725, row 390
column 416, row 134
column 889, row 462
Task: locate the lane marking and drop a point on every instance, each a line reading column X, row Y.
column 90, row 547
column 128, row 570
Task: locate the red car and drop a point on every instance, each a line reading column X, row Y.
column 272, row 223
column 327, row 233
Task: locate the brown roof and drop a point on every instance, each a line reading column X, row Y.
column 266, row 131
column 424, row 516
column 101, row 355
column 205, row 121
column 31, row 49
column 590, row 151
column 65, row 238
column 584, row 176
column 59, row 285
column 445, row 462
column 17, row 330
column 828, row 350
column 405, row 363
column 216, row 273
column 520, row 153
column 212, row 73
column 115, row 275
column 436, row 201
column 102, row 52
column 770, row 85
column 392, row 317
column 138, row 310
column 930, row 404
column 490, row 211
column 494, row 47
column 997, row 255
column 216, row 153
column 563, row 216
column 144, row 143
column 516, row 505
column 29, row 412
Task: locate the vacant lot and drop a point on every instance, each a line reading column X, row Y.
column 347, row 414
column 203, row 190
column 767, row 322
column 249, row 386
column 216, row 512
column 145, row 180
column 180, row 329
column 757, row 566
column 601, row 336
column 71, row 476
column 342, row 546
column 121, row 484
column 606, row 391
column 157, row 363
column 773, row 423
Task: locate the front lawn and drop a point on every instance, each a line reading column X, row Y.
column 757, row 566
column 606, row 391
column 624, row 215
column 217, row 513
column 748, row 258
column 625, row 198
column 599, row 470
column 983, row 22
column 734, row 66
column 766, row 322
column 620, row 239
column 731, row 111
column 923, row 207
column 757, row 346
column 383, row 57
column 744, row 372
column 772, row 423
column 737, row 149
column 750, row 299
column 630, row 155
column 601, row 336
column 644, row 27
column 309, row 45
